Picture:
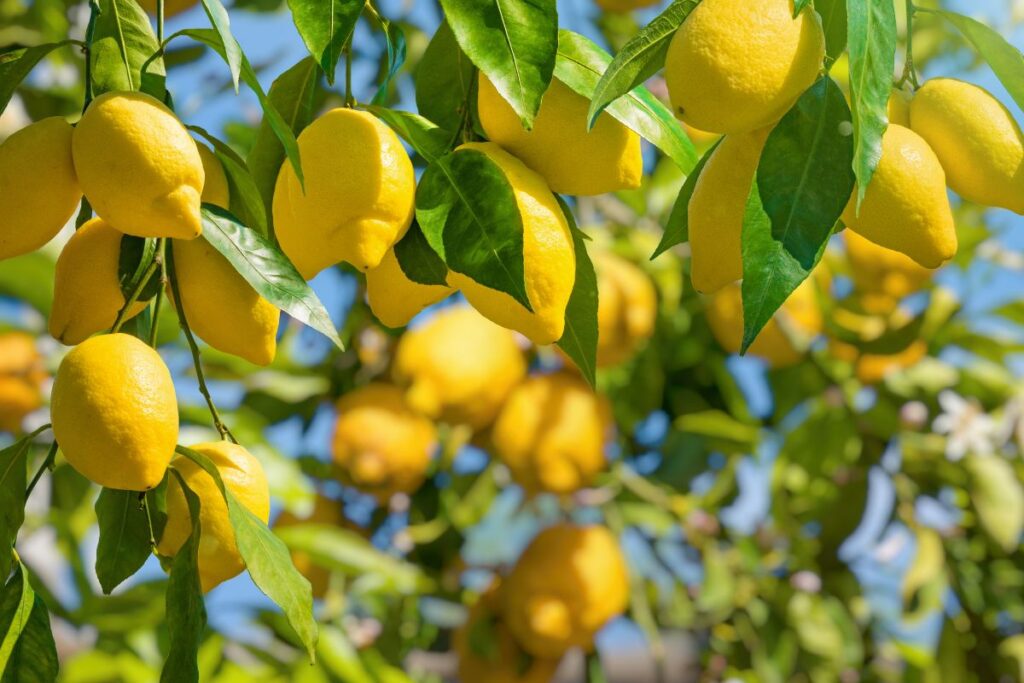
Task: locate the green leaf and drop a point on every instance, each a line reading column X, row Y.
column 221, row 24
column 124, row 544
column 325, row 27
column 580, row 64
column 124, row 51
column 798, row 7
column 871, row 33
column 267, row 560
column 15, row 607
column 266, row 269
column 677, row 230
column 246, row 202
column 719, row 428
column 29, row 277
column 293, row 95
column 468, row 212
column 15, row 65
column 639, row 58
column 595, row 670
column 13, row 482
column 444, row 81
column 1006, row 61
column 429, row 141
column 394, row 41
column 418, row 260
column 833, row 21
column 998, row 498
column 513, row 42
column 804, row 180
column 579, row 340
column 28, row 653
column 186, row 610
column 135, row 257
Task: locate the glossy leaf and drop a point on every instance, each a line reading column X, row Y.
column 468, row 212
column 13, row 481
column 221, row 23
column 579, row 340
column 124, row 526
column 325, row 27
column 513, row 42
column 429, row 141
column 639, row 58
column 186, row 609
column 15, row 608
column 871, row 33
column 246, row 202
column 834, row 24
column 266, row 269
column 580, row 64
column 418, row 260
column 15, row 65
column 134, row 259
column 445, row 81
column 677, row 230
column 27, row 653
column 123, row 49
column 394, row 50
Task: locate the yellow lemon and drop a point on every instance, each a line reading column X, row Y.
column 569, row 582
column 215, row 189
column 38, row 187
column 716, row 210
column 624, row 5
column 327, row 512
column 393, row 297
column 905, row 207
column 114, row 412
column 737, row 65
column 171, row 7
column 86, row 293
column 459, row 367
column 898, row 107
column 552, row 432
column 627, row 306
column 138, row 166
column 570, row 158
column 801, row 310
column 872, row 368
column 22, row 374
column 381, row 446
column 883, row 276
column 359, row 194
column 243, row 475
column 549, row 259
column 975, row 138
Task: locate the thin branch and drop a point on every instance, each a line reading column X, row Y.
column 157, row 263
column 51, row 455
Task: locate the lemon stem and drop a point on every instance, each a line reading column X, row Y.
column 160, row 21
column 90, row 30
column 158, row 304
column 909, row 72
column 349, row 102
column 51, row 455
column 137, row 292
column 144, row 500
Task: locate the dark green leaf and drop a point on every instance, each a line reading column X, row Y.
column 394, row 40
column 579, row 340
column 444, row 81
column 246, row 202
column 124, row 51
column 135, row 257
column 124, row 544
column 186, row 610
column 16, row 64
column 221, row 23
column 468, row 212
column 833, row 21
column 15, row 608
column 266, row 269
column 872, row 39
column 325, row 27
column 640, row 58
column 429, row 141
column 677, row 230
column 13, row 481
column 267, row 560
column 580, row 64
column 798, row 7
column 34, row 659
column 513, row 42
column 418, row 261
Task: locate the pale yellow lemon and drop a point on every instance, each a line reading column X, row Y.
column 394, row 298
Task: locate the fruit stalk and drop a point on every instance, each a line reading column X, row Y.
column 158, row 304
column 143, row 281
column 909, row 72
column 47, row 464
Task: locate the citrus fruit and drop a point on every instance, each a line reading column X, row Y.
column 393, row 297
column 22, row 374
column 627, row 305
column 215, row 188
column 883, row 277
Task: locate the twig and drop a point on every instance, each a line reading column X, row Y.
column 909, row 72
column 154, row 324
column 51, row 455
column 137, row 292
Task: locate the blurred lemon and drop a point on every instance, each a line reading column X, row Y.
column 328, row 512
column 883, row 277
column 22, row 374
column 627, row 306
column 394, row 298
column 872, row 368
column 215, row 189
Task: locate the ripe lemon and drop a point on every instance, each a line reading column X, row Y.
column 898, row 108
column 872, row 368
column 243, row 475
column 552, row 432
column 22, row 374
column 905, row 207
column 627, row 306
column 801, row 310
column 570, row 158
column 171, row 7
column 624, row 5
column 114, row 411
column 569, row 582
column 394, row 298
column 882, row 276
column 215, row 189
column 38, row 187
column 737, row 65
column 975, row 138
column 716, row 210
column 381, row 446
column 86, row 293
column 138, row 166
column 459, row 367
column 548, row 256
column 359, row 195
column 327, row 512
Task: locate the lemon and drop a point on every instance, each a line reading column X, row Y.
column 138, row 166
column 243, row 475
column 21, row 377
column 905, row 207
column 570, row 158
column 114, row 412
column 215, row 189
column 716, row 210
column 86, row 293
column 381, row 446
column 549, row 259
column 624, row 5
column 171, row 7
column 459, row 367
column 327, row 512
column 975, row 138
column 883, row 277
column 737, row 65
column 898, row 107
column 872, row 368
column 221, row 307
column 627, row 306
column 801, row 311
column 552, row 432
column 569, row 582
column 38, row 187
column 359, row 194
column 394, row 298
